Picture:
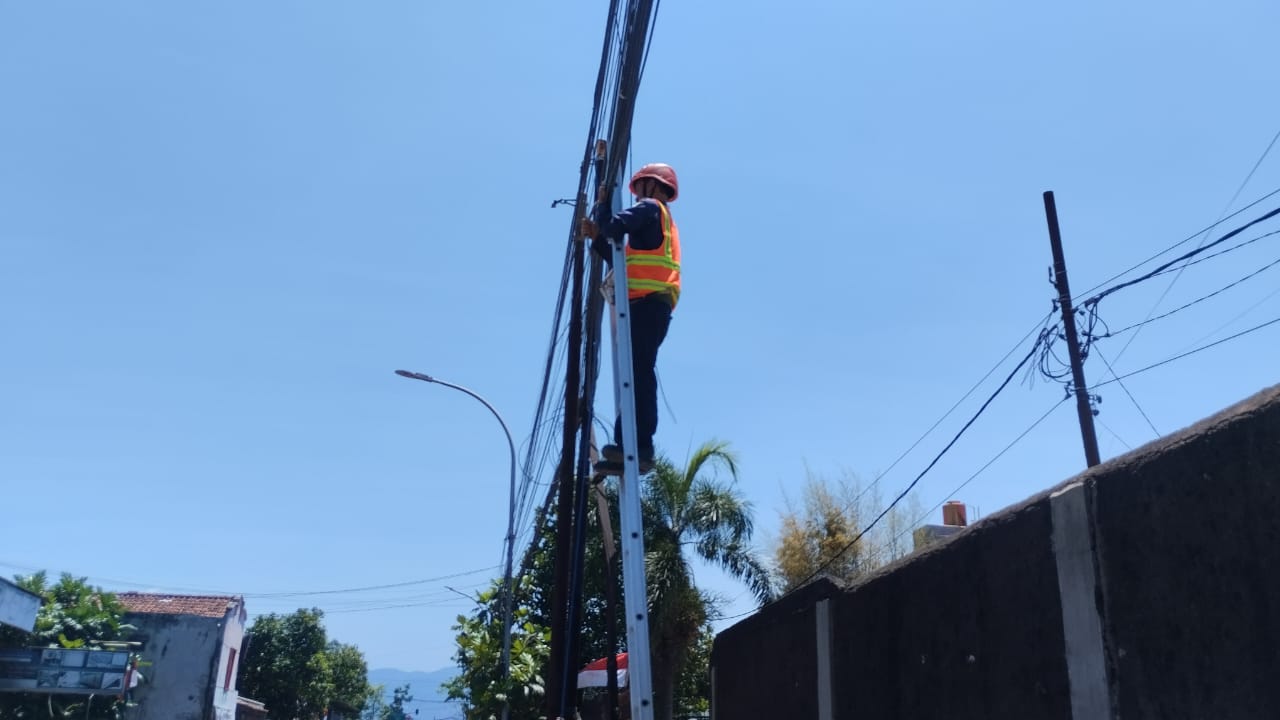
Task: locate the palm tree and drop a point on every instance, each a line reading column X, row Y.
column 692, row 506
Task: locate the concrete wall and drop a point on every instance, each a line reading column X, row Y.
column 1188, row 542
column 789, row 631
column 1148, row 587
column 185, row 652
column 225, row 698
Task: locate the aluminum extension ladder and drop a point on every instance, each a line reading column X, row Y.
column 634, row 587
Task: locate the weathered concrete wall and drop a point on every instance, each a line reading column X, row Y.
column 1188, row 541
column 947, row 636
column 1148, row 587
column 225, row 697
column 184, row 652
column 789, row 630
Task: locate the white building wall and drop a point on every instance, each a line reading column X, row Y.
column 190, row 657
column 225, row 693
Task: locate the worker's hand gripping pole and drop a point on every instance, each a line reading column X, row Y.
column 635, row 590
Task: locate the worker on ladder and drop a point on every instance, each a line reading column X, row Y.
column 653, row 286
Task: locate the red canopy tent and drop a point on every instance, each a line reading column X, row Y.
column 596, row 673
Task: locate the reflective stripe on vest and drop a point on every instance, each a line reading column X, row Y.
column 656, row 271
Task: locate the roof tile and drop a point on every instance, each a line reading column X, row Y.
column 210, row 606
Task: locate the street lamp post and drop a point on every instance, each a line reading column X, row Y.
column 508, row 590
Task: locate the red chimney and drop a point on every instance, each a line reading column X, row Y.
column 953, row 513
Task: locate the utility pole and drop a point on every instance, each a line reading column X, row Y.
column 565, row 482
column 1083, row 408
column 616, row 114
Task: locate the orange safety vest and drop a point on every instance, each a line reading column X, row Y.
column 656, row 271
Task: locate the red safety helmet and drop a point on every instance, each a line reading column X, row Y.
column 661, row 172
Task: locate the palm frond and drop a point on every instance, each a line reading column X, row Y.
column 667, row 575
column 740, row 562
column 713, row 452
column 716, row 508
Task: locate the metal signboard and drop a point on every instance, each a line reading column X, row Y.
column 53, row 670
column 17, row 606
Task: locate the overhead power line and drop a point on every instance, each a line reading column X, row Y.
column 1079, row 299
column 1180, row 356
column 956, row 490
column 259, row 595
column 924, row 516
column 1132, row 399
column 1233, row 320
column 1253, row 170
column 1093, row 320
column 968, row 393
column 1215, row 293
column 448, row 602
column 1026, row 359
column 1090, row 306
column 1220, row 253
column 1129, row 283
column 334, row 604
column 366, row 588
column 1114, row 434
column 1181, row 269
column 1044, row 345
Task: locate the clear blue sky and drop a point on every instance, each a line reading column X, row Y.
column 223, row 225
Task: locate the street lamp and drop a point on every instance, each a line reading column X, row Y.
column 508, row 590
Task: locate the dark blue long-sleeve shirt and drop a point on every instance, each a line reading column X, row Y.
column 642, row 223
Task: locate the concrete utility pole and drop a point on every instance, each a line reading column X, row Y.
column 1083, row 408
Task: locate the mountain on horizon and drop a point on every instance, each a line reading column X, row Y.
column 423, row 686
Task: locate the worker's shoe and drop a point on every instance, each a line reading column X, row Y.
column 606, row 468
column 646, row 460
column 613, row 456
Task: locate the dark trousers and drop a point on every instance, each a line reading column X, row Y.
column 650, row 318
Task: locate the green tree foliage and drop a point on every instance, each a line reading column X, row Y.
column 375, row 705
column 693, row 691
column 377, row 708
column 74, row 614
column 480, row 635
column 400, row 697
column 480, row 685
column 350, row 672
column 593, row 640
column 823, row 532
column 293, row 668
column 692, row 506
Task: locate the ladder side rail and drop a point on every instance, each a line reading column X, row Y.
column 634, row 586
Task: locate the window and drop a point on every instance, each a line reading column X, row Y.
column 231, row 668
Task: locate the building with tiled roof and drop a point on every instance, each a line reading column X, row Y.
column 193, row 643
column 209, row 606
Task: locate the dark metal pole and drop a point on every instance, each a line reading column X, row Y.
column 1083, row 409
column 591, row 368
column 564, row 510
column 569, row 681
